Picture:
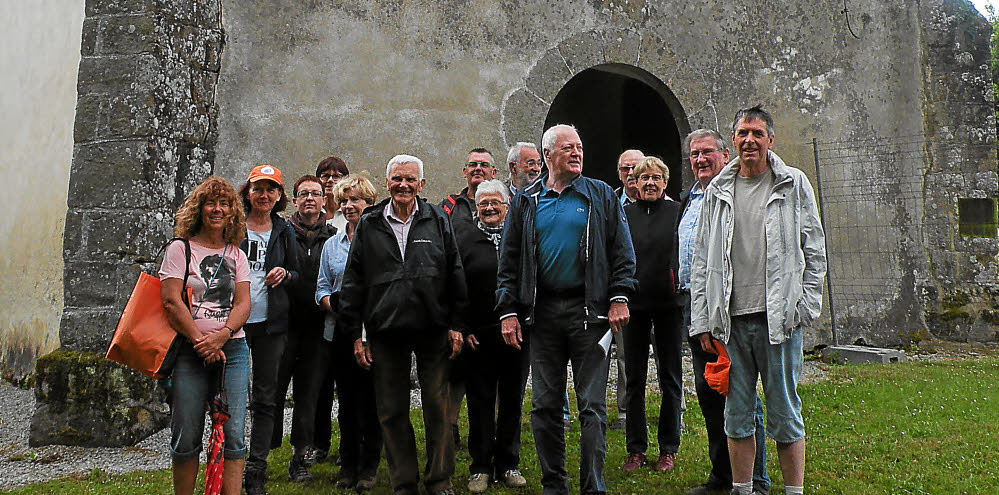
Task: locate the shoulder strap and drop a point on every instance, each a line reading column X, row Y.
column 187, row 265
column 449, row 204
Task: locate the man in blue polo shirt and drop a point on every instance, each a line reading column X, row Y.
column 566, row 270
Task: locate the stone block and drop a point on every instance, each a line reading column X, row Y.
column 116, row 74
column 622, row 46
column 121, row 35
column 118, row 7
column 85, row 400
column 88, row 44
column 98, row 283
column 860, row 354
column 548, row 75
column 122, row 174
column 100, row 117
column 72, row 239
column 523, row 118
column 658, row 58
column 583, row 51
column 88, row 329
column 121, row 233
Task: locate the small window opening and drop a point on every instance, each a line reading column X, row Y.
column 977, row 217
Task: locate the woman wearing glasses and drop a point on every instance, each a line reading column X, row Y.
column 652, row 221
column 495, row 370
column 330, row 170
column 305, row 357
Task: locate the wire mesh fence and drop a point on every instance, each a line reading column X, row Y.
column 885, row 203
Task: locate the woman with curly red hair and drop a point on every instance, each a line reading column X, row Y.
column 211, row 221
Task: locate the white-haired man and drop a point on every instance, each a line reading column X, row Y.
column 404, row 282
column 756, row 280
column 566, row 270
column 525, row 165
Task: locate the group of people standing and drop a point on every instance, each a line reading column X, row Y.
column 497, row 283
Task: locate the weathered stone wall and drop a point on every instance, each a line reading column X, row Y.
column 145, row 135
column 960, row 287
column 368, row 79
column 40, row 54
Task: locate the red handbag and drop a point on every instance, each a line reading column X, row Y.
column 144, row 339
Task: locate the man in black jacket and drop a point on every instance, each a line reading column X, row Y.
column 566, row 270
column 404, row 282
column 460, row 208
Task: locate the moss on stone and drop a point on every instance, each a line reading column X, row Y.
column 954, row 301
column 92, row 401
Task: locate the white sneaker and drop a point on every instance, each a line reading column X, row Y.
column 478, row 483
column 513, row 479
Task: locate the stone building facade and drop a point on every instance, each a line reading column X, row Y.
column 888, row 105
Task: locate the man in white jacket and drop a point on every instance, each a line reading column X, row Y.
column 756, row 280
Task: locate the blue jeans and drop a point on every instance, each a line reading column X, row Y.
column 559, row 337
column 713, row 409
column 194, row 386
column 777, row 366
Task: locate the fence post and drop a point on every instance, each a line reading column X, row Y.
column 822, row 219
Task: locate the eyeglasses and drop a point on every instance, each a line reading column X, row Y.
column 626, row 168
column 490, row 204
column 647, row 177
column 533, row 163
column 697, row 153
column 331, row 176
column 479, row 164
column 307, row 194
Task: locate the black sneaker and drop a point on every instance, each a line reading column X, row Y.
column 346, row 480
column 297, row 470
column 311, row 457
column 253, row 482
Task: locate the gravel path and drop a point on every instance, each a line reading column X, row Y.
column 21, row 464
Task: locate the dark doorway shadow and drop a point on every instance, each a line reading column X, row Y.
column 618, row 107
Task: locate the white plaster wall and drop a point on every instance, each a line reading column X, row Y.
column 40, row 58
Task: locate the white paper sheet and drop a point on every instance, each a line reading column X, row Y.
column 605, row 342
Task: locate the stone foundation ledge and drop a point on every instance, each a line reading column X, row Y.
column 85, row 400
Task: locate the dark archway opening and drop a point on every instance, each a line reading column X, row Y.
column 618, row 107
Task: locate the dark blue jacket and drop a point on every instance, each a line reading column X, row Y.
column 282, row 250
column 605, row 248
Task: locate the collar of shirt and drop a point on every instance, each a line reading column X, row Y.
column 390, row 215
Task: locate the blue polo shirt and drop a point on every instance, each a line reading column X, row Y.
column 560, row 226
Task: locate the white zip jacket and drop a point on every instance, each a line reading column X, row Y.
column 796, row 255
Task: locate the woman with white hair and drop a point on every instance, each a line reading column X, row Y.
column 496, row 371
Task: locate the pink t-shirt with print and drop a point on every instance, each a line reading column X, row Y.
column 211, row 305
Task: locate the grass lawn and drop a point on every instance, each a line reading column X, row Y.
column 918, row 427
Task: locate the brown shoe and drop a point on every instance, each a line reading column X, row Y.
column 635, row 461
column 665, row 462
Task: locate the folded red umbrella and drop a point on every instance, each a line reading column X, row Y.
column 716, row 373
column 219, row 413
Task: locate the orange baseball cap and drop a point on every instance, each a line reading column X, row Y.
column 265, row 172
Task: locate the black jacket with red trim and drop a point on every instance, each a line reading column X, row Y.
column 458, row 207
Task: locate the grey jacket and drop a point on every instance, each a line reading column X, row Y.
column 796, row 255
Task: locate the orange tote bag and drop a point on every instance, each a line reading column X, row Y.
column 144, row 339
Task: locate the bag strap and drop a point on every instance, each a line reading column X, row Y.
column 187, row 265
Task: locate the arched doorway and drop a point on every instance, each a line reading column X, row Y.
column 618, row 107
